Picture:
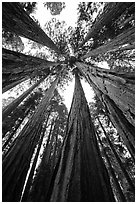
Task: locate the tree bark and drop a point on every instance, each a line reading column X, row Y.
column 124, row 41
column 21, row 111
column 13, row 132
column 16, row 66
column 12, row 106
column 112, row 10
column 17, row 162
column 16, row 20
column 125, row 129
column 117, row 158
column 15, row 62
column 79, row 177
column 116, row 91
column 54, row 159
column 13, row 84
column 31, row 174
column 42, row 179
column 120, row 87
column 117, row 186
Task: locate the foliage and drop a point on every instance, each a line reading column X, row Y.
column 11, row 41
column 98, row 111
column 59, row 33
column 29, row 7
column 55, row 7
column 87, row 15
column 15, row 120
column 68, row 39
column 120, row 61
column 87, row 12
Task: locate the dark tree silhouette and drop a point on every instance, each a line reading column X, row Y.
column 80, row 159
column 86, row 155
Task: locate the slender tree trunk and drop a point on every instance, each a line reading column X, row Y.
column 112, row 11
column 16, row 20
column 11, row 79
column 120, row 121
column 13, row 132
column 117, row 186
column 55, row 150
column 17, row 162
column 78, row 176
column 120, row 87
column 127, row 38
column 117, row 158
column 31, row 174
column 21, row 112
column 13, row 84
column 42, row 179
column 12, row 106
column 15, row 62
column 15, row 118
column 125, row 129
column 16, row 66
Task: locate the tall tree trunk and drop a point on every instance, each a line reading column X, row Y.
column 112, row 11
column 16, row 163
column 10, row 136
column 16, row 65
column 16, row 20
column 117, row 186
column 79, row 177
column 31, row 174
column 12, row 106
column 20, row 112
column 54, row 159
column 13, row 84
column 120, row 87
column 117, row 157
column 124, row 128
column 123, row 89
column 42, row 179
column 127, row 38
column 17, row 62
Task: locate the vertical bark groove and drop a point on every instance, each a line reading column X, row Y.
column 79, row 176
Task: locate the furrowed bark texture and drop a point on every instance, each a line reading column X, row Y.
column 15, row 118
column 112, row 11
column 125, row 129
column 124, row 41
column 117, row 92
column 12, row 106
column 16, row 65
column 13, row 84
column 11, row 134
column 42, row 179
column 31, row 174
column 120, row 87
column 16, row 20
column 81, row 175
column 112, row 172
column 125, row 173
column 16, row 163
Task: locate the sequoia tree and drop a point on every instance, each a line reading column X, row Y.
column 16, row 66
column 16, row 20
column 86, row 155
column 111, row 12
column 12, row 106
column 15, row 165
column 80, row 159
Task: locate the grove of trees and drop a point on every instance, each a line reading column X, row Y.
column 88, row 153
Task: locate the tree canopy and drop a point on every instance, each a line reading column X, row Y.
column 50, row 153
